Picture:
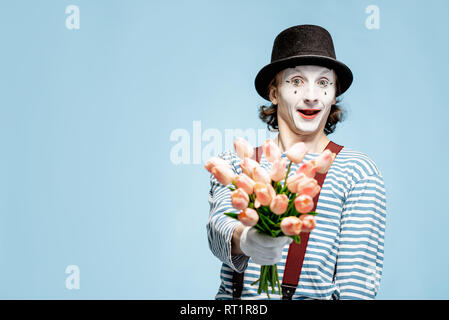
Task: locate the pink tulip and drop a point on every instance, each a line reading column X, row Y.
column 277, row 171
column 261, row 175
column 279, row 204
column 264, row 193
column 291, row 226
column 248, row 217
column 324, row 161
column 308, row 168
column 304, row 203
column 307, row 186
column 308, row 222
column 213, row 162
column 224, row 174
column 239, row 199
column 244, row 182
column 248, row 165
column 297, row 152
column 243, row 148
column 293, row 180
column 271, row 150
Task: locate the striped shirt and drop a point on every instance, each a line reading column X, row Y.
column 344, row 256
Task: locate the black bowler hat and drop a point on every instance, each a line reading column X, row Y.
column 302, row 45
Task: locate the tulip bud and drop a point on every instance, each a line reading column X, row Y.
column 271, row 150
column 248, row 165
column 213, row 162
column 264, row 193
column 307, row 186
column 308, row 168
column 243, row 148
column 277, row 171
column 308, row 222
column 245, row 182
column 224, row 174
column 304, row 203
column 291, row 226
column 324, row 161
column 292, row 181
column 248, row 217
column 297, row 152
column 261, row 175
column 279, row 204
column 239, row 199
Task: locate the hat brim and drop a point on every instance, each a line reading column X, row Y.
column 267, row 73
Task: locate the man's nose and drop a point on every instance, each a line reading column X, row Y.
column 310, row 102
column 310, row 98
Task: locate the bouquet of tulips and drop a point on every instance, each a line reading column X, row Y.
column 274, row 202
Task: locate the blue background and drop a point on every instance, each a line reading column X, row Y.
column 86, row 116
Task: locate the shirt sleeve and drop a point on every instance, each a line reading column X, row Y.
column 361, row 246
column 221, row 227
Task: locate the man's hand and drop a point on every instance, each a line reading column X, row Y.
column 262, row 249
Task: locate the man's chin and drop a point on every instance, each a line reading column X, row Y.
column 301, row 129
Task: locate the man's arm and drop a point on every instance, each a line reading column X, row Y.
column 223, row 232
column 361, row 243
column 235, row 243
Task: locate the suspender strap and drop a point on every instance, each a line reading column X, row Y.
column 237, row 285
column 296, row 252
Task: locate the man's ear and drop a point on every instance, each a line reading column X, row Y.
column 273, row 95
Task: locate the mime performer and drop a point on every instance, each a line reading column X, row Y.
column 344, row 255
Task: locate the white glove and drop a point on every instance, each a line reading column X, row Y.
column 262, row 249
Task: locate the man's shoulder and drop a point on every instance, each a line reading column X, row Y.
column 359, row 163
column 228, row 155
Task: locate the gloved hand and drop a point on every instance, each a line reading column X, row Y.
column 262, row 249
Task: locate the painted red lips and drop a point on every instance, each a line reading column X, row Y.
column 308, row 113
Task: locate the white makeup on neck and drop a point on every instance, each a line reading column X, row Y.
column 306, row 94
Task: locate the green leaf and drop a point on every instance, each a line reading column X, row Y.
column 261, row 229
column 297, row 239
column 232, row 215
column 264, row 209
column 267, row 228
column 267, row 219
column 295, row 213
column 291, row 204
column 313, row 213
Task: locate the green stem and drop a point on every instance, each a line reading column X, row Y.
column 288, row 171
column 277, row 280
column 290, row 205
column 268, row 229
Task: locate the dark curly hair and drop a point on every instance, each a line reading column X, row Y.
column 268, row 114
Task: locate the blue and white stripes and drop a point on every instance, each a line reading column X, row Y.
column 344, row 256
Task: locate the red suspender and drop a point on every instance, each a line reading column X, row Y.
column 296, row 252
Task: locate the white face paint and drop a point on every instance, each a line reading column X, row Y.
column 303, row 90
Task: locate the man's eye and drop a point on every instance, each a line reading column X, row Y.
column 323, row 83
column 296, row 81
